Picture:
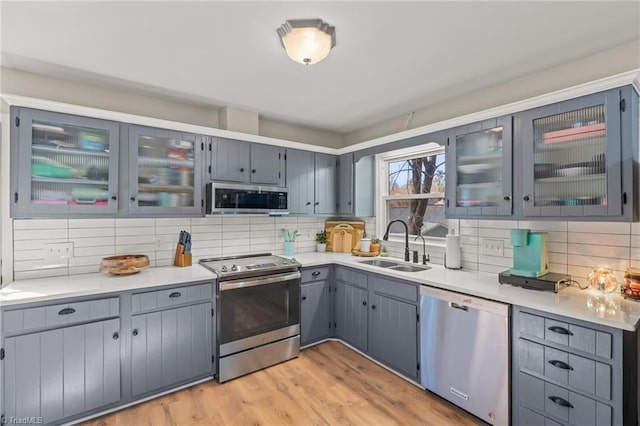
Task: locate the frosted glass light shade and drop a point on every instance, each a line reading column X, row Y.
column 307, row 41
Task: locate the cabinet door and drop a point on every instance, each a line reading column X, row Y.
column 170, row 347
column 571, row 158
column 165, row 171
column 314, row 305
column 351, row 314
column 480, row 180
column 230, row 160
column 267, row 164
column 66, row 164
column 393, row 334
column 325, row 184
column 300, row 181
column 345, row 184
column 63, row 372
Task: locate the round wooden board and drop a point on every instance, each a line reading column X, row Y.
column 365, row 253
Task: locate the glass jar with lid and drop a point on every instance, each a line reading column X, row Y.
column 631, row 283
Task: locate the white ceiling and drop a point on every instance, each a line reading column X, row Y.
column 390, row 58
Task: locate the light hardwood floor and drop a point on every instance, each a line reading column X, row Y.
column 327, row 384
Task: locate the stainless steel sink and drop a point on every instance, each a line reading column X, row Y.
column 380, row 262
column 396, row 266
column 410, row 268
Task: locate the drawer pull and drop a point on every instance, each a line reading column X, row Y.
column 560, row 330
column 304, row 297
column 560, row 364
column 458, row 306
column 66, row 311
column 560, row 401
column 316, row 273
column 116, row 336
column 135, row 332
column 175, row 294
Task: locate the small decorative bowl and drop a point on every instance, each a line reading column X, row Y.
column 125, row 264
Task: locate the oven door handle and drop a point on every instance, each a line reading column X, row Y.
column 272, row 279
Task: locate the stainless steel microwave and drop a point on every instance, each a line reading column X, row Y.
column 240, row 198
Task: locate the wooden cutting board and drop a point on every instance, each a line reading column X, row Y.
column 343, row 236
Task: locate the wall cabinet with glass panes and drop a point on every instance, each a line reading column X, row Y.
column 480, row 157
column 578, row 157
column 70, row 166
column 575, row 159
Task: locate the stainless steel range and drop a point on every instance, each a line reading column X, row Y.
column 258, row 301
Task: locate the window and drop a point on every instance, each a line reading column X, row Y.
column 412, row 189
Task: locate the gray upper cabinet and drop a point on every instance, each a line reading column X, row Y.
column 63, row 164
column 346, row 177
column 63, row 372
column 325, row 184
column 165, row 172
column 479, row 159
column 572, row 158
column 239, row 161
column 170, row 347
column 300, row 181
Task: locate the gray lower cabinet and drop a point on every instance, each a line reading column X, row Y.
column 63, row 372
column 571, row 372
column 170, row 347
column 315, row 314
column 393, row 334
column 351, row 314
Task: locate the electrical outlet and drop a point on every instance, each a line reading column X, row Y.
column 58, row 253
column 491, row 247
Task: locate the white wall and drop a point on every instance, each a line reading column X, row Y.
column 141, row 103
column 610, row 62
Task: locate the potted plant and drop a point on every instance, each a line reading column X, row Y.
column 321, row 241
column 375, row 245
column 383, row 251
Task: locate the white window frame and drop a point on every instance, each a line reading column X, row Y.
column 382, row 184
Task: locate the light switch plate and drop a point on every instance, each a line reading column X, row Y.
column 491, row 247
column 58, row 253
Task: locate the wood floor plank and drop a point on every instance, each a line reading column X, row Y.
column 328, row 384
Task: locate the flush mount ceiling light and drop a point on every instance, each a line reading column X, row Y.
column 307, row 41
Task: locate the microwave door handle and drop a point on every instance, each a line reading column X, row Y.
column 231, row 285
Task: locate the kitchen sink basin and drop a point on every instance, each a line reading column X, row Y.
column 380, row 262
column 410, row 268
column 389, row 264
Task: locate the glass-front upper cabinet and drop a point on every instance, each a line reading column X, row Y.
column 66, row 164
column 572, row 158
column 479, row 157
column 165, row 171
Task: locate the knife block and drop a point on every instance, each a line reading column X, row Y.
column 181, row 258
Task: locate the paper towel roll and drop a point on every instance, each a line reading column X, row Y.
column 452, row 252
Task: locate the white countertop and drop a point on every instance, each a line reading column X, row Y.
column 570, row 302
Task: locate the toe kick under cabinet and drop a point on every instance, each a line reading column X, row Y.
column 65, row 359
column 571, row 372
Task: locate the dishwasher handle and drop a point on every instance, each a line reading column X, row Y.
column 455, row 305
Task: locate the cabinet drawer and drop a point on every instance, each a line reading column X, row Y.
column 351, row 277
column 171, row 296
column 527, row 417
column 578, row 372
column 561, row 403
column 57, row 315
column 573, row 336
column 384, row 285
column 315, row 274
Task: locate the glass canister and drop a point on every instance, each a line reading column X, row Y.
column 631, row 283
column 603, row 280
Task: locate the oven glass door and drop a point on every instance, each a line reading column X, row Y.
column 248, row 308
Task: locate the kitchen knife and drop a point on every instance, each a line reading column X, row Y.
column 187, row 244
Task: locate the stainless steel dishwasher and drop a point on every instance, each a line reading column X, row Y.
column 465, row 352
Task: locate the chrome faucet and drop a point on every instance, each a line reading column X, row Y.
column 425, row 256
column 406, row 237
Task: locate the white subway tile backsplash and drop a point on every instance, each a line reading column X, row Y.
column 41, row 273
column 143, row 230
column 600, row 227
column 92, row 223
column 135, row 239
column 493, row 233
column 131, row 223
column 600, row 251
column 93, row 251
column 235, row 220
column 93, row 242
column 622, row 240
column 543, row 226
column 40, row 234
column 206, row 221
column 92, row 232
column 182, row 223
column 40, row 224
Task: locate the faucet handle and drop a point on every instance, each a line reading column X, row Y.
column 415, row 256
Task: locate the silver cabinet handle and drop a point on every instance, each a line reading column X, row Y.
column 458, row 306
column 66, row 311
